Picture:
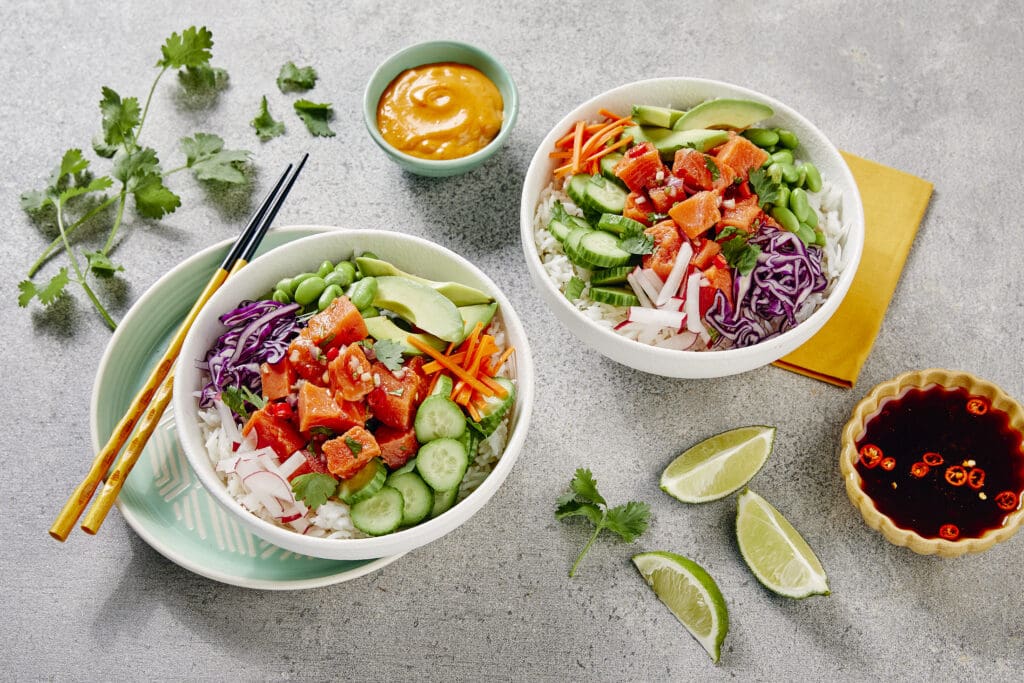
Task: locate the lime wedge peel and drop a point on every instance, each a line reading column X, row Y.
column 719, row 465
column 690, row 594
column 775, row 552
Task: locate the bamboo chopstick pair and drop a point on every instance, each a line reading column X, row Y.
column 152, row 399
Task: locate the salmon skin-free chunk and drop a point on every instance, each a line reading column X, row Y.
column 339, row 323
column 741, row 155
column 348, row 453
column 318, row 407
column 275, row 432
column 698, row 213
column 397, row 446
column 276, row 379
column 641, row 167
column 394, row 400
column 350, row 374
column 667, row 243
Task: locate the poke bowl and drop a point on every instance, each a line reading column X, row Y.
column 354, row 394
column 690, row 228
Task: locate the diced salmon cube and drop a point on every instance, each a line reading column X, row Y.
column 698, row 213
column 397, row 446
column 640, row 167
column 275, row 432
column 720, row 279
column 276, row 379
column 707, row 250
column 637, row 208
column 666, row 247
column 741, row 155
column 394, row 400
column 318, row 407
column 742, row 215
column 348, row 453
column 350, row 374
column 308, row 360
column 339, row 323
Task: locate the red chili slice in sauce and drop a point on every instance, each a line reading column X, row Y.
column 919, row 469
column 1007, row 500
column 888, row 464
column 977, row 406
column 956, row 475
column 949, row 531
column 976, row 478
column 870, row 455
column 932, row 459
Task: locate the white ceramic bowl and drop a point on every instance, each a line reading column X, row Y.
column 683, row 93
column 411, row 254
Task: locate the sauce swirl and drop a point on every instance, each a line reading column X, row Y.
column 440, row 111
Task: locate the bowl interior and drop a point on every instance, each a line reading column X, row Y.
column 683, row 93
column 411, row 254
column 432, row 53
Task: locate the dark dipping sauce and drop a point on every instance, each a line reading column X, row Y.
column 942, row 463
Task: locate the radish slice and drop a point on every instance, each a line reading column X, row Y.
column 288, row 467
column 634, row 284
column 673, row 304
column 680, row 342
column 270, row 484
column 656, row 317
column 227, row 422
column 651, row 283
column 692, row 305
column 675, row 277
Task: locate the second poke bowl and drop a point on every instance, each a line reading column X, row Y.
column 354, row 394
column 690, row 228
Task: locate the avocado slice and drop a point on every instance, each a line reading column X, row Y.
column 383, row 328
column 422, row 306
column 649, row 115
column 480, row 313
column 668, row 142
column 459, row 294
column 724, row 113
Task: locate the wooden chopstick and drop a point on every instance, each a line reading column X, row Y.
column 115, row 480
column 80, row 497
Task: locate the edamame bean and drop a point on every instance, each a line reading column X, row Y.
column 336, row 278
column 309, row 290
column 370, row 254
column 774, row 171
column 783, row 199
column 798, row 204
column 787, row 138
column 762, row 137
column 806, row 234
column 783, row 157
column 330, row 293
column 789, row 173
column 369, row 312
column 813, row 178
column 801, row 176
column 298, row 280
column 325, row 267
column 819, row 238
column 281, row 297
column 786, row 218
column 284, row 285
column 348, row 271
column 362, row 292
column 812, row 218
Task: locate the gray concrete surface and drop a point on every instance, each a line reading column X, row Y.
column 930, row 88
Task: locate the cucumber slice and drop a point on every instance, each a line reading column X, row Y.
column 471, row 440
column 577, row 189
column 610, row 276
column 494, row 409
column 613, row 222
column 418, row 498
column 602, row 249
column 442, row 501
column 364, row 483
column 559, row 229
column 442, row 463
column 608, row 163
column 407, row 467
column 616, row 296
column 571, row 246
column 379, row 514
column 439, row 417
column 443, row 387
column 603, row 196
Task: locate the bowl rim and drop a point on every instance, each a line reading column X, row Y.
column 868, row 407
column 399, row 541
column 853, row 249
column 510, row 108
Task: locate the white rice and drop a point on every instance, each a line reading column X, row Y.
column 828, row 203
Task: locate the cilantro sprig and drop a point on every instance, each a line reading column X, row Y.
column 314, row 488
column 266, row 126
column 636, row 241
column 768, row 191
column 629, row 521
column 389, row 352
column 316, row 116
column 292, row 77
column 737, row 251
column 74, row 196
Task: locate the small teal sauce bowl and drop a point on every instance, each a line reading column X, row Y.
column 434, row 52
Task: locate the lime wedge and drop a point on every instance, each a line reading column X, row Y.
column 690, row 593
column 779, row 557
column 718, row 466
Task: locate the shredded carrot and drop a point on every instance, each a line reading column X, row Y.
column 457, row 370
column 492, row 386
column 433, row 384
column 464, row 395
column 473, row 413
column 608, row 115
column 502, row 358
column 565, row 154
column 577, row 145
column 434, row 366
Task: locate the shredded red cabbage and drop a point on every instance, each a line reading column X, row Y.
column 766, row 300
column 258, row 332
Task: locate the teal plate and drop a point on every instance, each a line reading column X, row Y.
column 162, row 500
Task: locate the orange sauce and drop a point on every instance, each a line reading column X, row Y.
column 440, row 111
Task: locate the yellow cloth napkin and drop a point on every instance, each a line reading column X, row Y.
column 894, row 204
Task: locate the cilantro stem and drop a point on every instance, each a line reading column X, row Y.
column 78, row 271
column 117, row 220
column 572, row 571
column 58, row 241
column 174, row 170
column 149, row 98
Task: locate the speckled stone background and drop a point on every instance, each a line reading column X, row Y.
column 932, row 88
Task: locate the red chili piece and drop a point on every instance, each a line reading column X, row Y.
column 1007, row 500
column 919, row 470
column 932, row 459
column 977, row 406
column 888, row 464
column 870, row 455
column 976, row 478
column 332, row 353
column 949, row 531
column 281, row 410
column 956, row 475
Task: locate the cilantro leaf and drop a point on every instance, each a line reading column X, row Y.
column 636, row 241
column 316, row 116
column 153, row 199
column 353, row 445
column 767, row 190
column 47, row 294
column 71, row 163
column 101, row 265
column 238, row 398
column 314, row 488
column 713, row 167
column 629, row 521
column 131, row 167
column 203, row 79
column 389, row 352
column 71, row 178
column 574, row 289
column 191, row 48
column 293, row 78
column 206, row 156
column 265, row 124
column 737, row 252
column 95, row 185
column 120, row 118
